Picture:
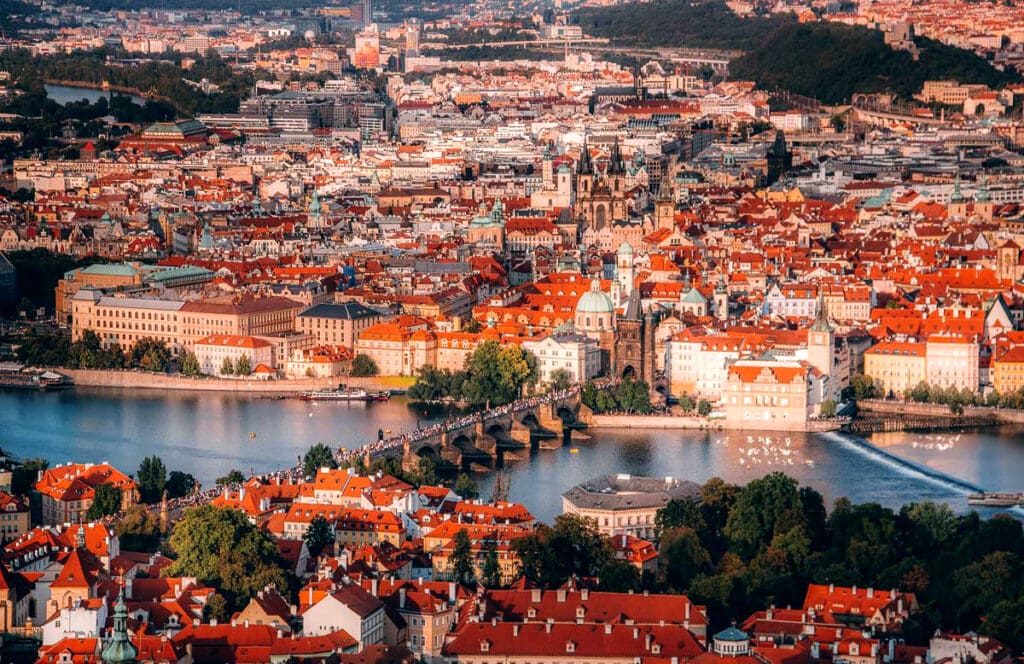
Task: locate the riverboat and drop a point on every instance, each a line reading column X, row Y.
column 16, row 376
column 343, row 393
column 995, row 499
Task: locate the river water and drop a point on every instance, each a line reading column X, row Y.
column 65, row 94
column 208, row 433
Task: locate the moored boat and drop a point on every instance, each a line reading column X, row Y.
column 343, row 393
column 995, row 499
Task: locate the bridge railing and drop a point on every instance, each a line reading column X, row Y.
column 380, row 447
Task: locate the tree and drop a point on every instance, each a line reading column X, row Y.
column 180, row 484
column 618, row 576
column 233, row 477
column 152, row 479
column 863, row 387
column 466, row 487
column 491, row 569
column 150, row 355
column 687, row 403
column 683, row 557
column 227, row 368
column 106, row 501
column 432, row 384
column 363, row 365
column 138, row 530
column 243, row 365
column 216, row 608
column 762, row 507
column 318, row 535
column 828, row 408
column 633, row 396
column 680, row 512
column 26, row 474
column 189, row 364
column 497, row 374
column 704, row 408
column 222, row 549
column 560, row 380
column 317, row 457
column 426, row 472
column 461, row 561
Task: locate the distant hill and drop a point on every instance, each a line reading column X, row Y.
column 828, row 61
column 831, row 61
column 685, row 23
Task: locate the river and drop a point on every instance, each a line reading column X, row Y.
column 207, row 434
column 65, row 94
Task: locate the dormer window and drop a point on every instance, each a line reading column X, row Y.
column 570, row 646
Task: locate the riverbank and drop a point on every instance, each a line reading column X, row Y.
column 146, row 380
column 653, row 422
column 697, row 422
column 1003, row 415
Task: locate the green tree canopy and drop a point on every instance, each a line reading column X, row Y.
column 318, row 535
column 317, row 457
column 138, row 530
column 180, row 484
column 152, row 479
column 462, row 557
column 106, row 502
column 243, row 365
column 363, row 365
column 222, row 549
column 466, row 487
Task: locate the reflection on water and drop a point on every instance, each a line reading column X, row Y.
column 207, row 434
column 66, row 94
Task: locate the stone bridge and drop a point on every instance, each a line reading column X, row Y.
column 482, row 439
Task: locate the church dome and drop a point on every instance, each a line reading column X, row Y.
column 594, row 301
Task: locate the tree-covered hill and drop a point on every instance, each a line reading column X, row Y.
column 829, row 61
column 680, row 23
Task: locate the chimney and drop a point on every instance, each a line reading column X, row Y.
column 871, row 593
column 401, row 598
column 280, row 633
column 854, row 589
column 636, row 632
column 515, row 629
column 831, row 588
column 561, row 595
column 647, row 641
column 607, row 628
column 584, row 594
column 451, row 591
column 547, row 627
column 128, row 589
column 687, row 610
column 373, row 587
column 535, row 595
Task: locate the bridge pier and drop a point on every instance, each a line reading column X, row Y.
column 521, row 433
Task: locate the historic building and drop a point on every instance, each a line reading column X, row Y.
column 601, row 197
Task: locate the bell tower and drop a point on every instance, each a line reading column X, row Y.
column 821, row 345
column 665, row 204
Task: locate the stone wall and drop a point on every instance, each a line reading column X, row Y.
column 146, row 380
column 1007, row 415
